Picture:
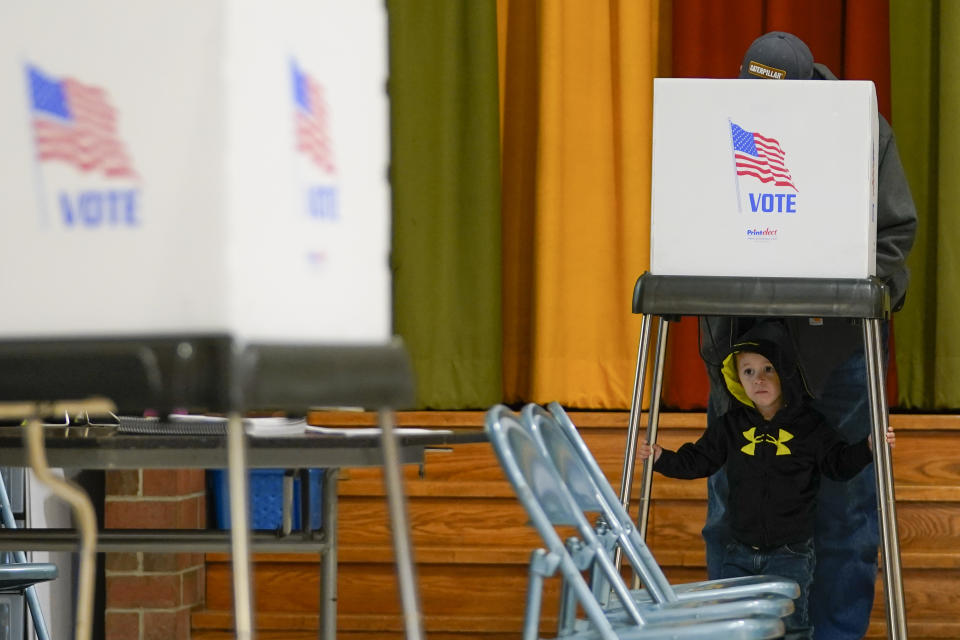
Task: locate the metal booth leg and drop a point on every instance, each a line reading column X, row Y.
column 239, row 527
column 633, row 429
column 633, row 426
column 396, row 503
column 653, row 422
column 883, row 468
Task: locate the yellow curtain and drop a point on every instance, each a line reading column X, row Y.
column 576, row 101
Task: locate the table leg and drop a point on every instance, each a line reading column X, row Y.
column 328, row 566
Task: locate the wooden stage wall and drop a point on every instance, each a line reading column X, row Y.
column 472, row 543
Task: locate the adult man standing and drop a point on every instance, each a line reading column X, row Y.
column 831, row 354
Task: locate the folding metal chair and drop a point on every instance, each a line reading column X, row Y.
column 763, row 595
column 549, row 503
column 21, row 576
column 576, row 462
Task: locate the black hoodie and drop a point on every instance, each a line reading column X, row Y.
column 773, row 466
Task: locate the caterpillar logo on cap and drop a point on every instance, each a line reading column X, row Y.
column 763, row 71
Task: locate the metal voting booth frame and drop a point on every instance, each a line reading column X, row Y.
column 100, row 376
column 865, row 300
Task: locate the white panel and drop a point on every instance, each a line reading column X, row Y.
column 819, row 222
column 88, row 253
column 318, row 221
column 213, row 218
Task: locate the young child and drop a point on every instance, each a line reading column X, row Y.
column 774, row 447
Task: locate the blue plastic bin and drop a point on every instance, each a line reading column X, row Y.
column 265, row 487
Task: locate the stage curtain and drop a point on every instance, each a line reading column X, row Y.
column 445, row 175
column 709, row 40
column 576, row 178
column 926, row 101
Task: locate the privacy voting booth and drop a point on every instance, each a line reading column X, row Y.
column 764, row 204
column 196, row 215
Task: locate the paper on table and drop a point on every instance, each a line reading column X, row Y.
column 372, row 431
column 274, row 426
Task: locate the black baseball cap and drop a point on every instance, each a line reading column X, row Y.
column 778, row 55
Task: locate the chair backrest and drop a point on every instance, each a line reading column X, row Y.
column 578, row 467
column 544, row 495
column 21, row 577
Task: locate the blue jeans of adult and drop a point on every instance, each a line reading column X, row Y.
column 794, row 561
column 846, row 533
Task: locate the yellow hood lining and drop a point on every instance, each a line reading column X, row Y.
column 732, row 377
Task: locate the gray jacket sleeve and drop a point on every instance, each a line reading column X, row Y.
column 896, row 217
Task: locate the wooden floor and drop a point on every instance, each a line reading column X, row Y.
column 472, row 542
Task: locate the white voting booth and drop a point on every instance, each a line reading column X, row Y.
column 764, row 179
column 206, row 184
column 196, row 167
column 764, row 204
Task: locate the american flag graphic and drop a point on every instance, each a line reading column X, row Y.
column 311, row 120
column 760, row 157
column 75, row 123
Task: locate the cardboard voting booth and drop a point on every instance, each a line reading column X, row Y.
column 186, row 166
column 764, row 178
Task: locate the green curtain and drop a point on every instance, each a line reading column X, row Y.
column 925, row 70
column 445, row 175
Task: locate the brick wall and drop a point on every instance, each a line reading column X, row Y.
column 149, row 596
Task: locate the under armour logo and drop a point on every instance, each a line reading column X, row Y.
column 753, row 440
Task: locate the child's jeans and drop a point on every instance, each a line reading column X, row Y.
column 794, row 561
